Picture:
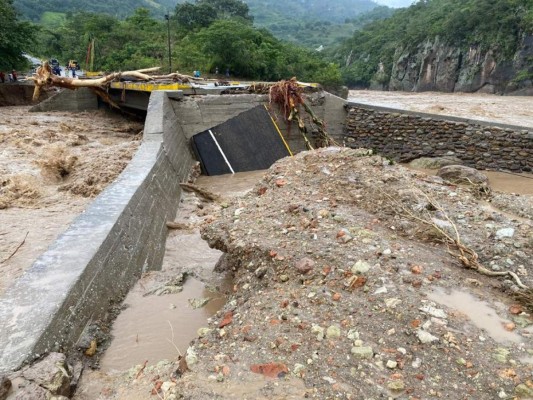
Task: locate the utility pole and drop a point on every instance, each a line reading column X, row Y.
column 167, row 17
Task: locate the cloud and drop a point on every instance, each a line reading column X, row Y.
column 395, row 3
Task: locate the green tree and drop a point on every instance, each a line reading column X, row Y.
column 203, row 13
column 15, row 37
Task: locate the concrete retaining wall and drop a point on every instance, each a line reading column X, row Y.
column 123, row 232
column 196, row 114
column 82, row 99
column 404, row 136
column 96, row 261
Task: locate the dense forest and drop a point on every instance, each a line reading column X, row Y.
column 204, row 36
column 15, row 36
column 35, row 9
column 311, row 23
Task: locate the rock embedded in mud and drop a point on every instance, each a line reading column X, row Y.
column 5, row 386
column 463, row 175
column 360, row 267
column 305, row 265
column 334, row 331
column 426, row 337
column 363, row 352
column 434, row 162
column 52, row 373
column 522, row 391
column 271, row 370
column 504, row 233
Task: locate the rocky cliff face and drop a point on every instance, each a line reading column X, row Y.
column 440, row 67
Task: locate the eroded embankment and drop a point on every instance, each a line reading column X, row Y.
column 334, row 255
column 18, row 94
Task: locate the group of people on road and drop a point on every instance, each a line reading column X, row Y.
column 12, row 76
column 197, row 74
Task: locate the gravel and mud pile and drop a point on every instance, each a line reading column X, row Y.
column 341, row 275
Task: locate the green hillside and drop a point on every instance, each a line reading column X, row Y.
column 311, row 23
column 34, row 9
column 498, row 25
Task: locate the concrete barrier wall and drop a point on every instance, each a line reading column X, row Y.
column 404, row 136
column 97, row 260
column 196, row 114
column 122, row 233
column 82, row 99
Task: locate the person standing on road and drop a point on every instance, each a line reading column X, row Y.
column 14, row 73
column 2, row 77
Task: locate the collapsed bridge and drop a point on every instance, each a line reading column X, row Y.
column 122, row 234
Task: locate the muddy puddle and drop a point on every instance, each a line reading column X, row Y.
column 478, row 312
column 153, row 327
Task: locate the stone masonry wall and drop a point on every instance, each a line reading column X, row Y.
column 406, row 136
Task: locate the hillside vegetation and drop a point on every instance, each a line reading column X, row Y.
column 34, row 9
column 497, row 25
column 311, row 23
column 208, row 35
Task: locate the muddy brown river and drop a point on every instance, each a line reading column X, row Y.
column 153, row 327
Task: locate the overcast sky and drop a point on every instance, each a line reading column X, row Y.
column 395, row 3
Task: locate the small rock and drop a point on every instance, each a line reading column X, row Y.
column 360, row 267
column 426, row 337
column 198, row 303
column 353, row 334
column 318, row 330
column 5, row 386
column 396, row 385
column 283, row 278
column 228, row 318
column 381, row 290
column 392, row 302
column 305, row 265
column 260, row 272
column 364, row 352
column 271, row 370
column 191, row 357
column 504, row 233
column 298, row 369
column 522, row 391
column 500, row 354
column 202, row 332
column 434, row 312
column 52, row 373
column 334, row 331
column 391, row 364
